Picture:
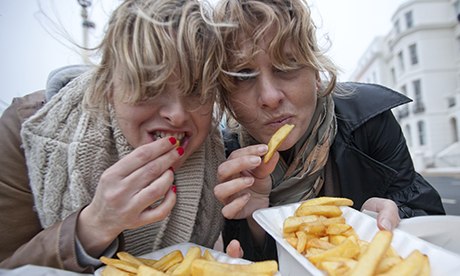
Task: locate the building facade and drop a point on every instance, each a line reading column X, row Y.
column 420, row 57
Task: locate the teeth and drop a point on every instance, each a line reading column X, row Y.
column 162, row 134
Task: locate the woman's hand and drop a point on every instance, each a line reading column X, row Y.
column 126, row 193
column 234, row 249
column 387, row 212
column 244, row 181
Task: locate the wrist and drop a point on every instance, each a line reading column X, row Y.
column 94, row 237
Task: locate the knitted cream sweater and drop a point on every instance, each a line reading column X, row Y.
column 67, row 150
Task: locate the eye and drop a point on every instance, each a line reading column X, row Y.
column 245, row 74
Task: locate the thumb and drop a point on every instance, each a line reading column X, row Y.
column 234, row 249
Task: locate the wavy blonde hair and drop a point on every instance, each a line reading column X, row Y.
column 289, row 21
column 146, row 42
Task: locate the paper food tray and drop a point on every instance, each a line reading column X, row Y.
column 184, row 247
column 291, row 262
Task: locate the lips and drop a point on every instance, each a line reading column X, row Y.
column 181, row 136
column 278, row 121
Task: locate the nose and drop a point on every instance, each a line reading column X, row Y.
column 270, row 96
column 174, row 112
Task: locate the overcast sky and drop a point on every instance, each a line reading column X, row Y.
column 35, row 35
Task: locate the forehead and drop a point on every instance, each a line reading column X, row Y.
column 245, row 48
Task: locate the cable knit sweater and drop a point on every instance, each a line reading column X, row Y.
column 67, row 150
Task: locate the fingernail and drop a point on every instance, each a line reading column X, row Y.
column 254, row 160
column 180, row 150
column 172, row 140
column 386, row 224
column 262, row 149
column 248, row 180
column 174, row 189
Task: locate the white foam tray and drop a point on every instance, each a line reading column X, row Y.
column 443, row 262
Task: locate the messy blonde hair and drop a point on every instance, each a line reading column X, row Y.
column 145, row 43
column 291, row 24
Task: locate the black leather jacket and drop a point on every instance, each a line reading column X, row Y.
column 370, row 159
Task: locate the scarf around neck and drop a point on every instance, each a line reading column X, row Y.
column 303, row 177
column 67, row 150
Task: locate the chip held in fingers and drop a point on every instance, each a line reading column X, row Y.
column 276, row 140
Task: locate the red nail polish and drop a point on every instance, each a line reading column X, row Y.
column 172, row 140
column 180, row 150
column 174, row 188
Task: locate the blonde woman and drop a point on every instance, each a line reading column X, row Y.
column 124, row 157
column 346, row 142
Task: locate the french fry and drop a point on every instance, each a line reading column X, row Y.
column 368, row 262
column 185, row 266
column 411, row 265
column 148, row 262
column 276, row 140
column 293, row 223
column 120, row 264
column 326, row 200
column 301, row 241
column 208, row 256
column 113, row 271
column 168, row 260
column 125, row 256
column 318, row 243
column 201, row 267
column 144, row 270
column 387, row 263
column 320, row 210
column 347, row 249
column 337, row 228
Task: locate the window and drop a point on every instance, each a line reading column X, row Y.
column 408, row 135
column 397, row 27
column 401, row 61
column 393, row 75
column 404, row 90
column 418, row 101
column 413, row 54
column 421, row 133
column 409, row 19
column 454, row 130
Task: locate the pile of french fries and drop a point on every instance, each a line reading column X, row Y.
column 194, row 263
column 320, row 233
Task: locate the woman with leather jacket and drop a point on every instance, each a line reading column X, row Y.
column 345, row 142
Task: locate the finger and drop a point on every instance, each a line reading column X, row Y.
column 387, row 212
column 388, row 217
column 225, row 191
column 154, row 191
column 234, row 249
column 143, row 155
column 159, row 212
column 235, row 166
column 233, row 208
column 146, row 174
column 258, row 150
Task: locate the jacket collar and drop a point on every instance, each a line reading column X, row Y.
column 364, row 101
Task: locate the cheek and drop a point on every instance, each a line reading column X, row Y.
column 244, row 108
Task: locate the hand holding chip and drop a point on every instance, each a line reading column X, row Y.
column 244, row 180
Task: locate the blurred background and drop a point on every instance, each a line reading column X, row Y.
column 411, row 46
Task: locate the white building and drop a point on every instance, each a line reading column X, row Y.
column 420, row 57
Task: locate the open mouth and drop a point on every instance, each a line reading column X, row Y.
column 180, row 136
